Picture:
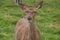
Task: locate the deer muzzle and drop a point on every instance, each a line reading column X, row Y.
column 30, row 17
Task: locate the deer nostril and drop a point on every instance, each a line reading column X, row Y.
column 29, row 18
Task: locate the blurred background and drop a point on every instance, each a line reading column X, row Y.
column 47, row 18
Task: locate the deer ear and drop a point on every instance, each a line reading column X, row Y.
column 39, row 5
column 23, row 7
column 21, row 4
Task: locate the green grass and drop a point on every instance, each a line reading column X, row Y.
column 47, row 19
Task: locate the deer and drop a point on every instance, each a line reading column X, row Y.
column 26, row 28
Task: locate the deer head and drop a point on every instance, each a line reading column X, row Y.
column 30, row 12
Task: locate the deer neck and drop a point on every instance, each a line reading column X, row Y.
column 33, row 20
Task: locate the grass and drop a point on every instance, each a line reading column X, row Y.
column 47, row 18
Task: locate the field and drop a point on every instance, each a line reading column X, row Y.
column 47, row 19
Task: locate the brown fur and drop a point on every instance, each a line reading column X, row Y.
column 26, row 28
column 27, row 31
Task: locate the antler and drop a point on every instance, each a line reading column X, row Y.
column 21, row 3
column 23, row 6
